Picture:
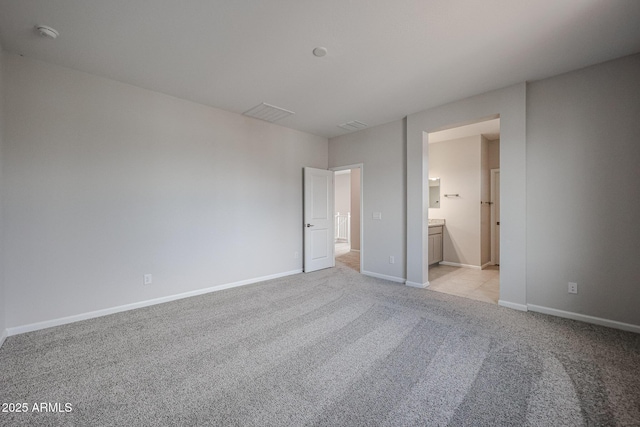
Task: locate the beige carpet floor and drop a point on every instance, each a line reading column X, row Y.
column 328, row 348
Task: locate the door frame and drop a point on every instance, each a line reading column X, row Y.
column 362, row 239
column 495, row 254
column 510, row 104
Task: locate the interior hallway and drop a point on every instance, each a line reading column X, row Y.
column 345, row 255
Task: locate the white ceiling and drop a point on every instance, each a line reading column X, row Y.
column 386, row 59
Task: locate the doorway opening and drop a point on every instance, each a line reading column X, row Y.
column 347, row 207
column 464, row 165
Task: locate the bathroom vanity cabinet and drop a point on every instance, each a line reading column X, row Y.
column 435, row 244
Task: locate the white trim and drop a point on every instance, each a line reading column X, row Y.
column 107, row 311
column 512, row 305
column 495, row 255
column 585, row 318
column 384, row 276
column 417, row 284
column 354, row 250
column 457, row 264
column 485, row 265
column 3, row 336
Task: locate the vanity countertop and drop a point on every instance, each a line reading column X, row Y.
column 436, row 222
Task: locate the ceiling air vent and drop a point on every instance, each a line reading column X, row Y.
column 353, row 125
column 268, row 113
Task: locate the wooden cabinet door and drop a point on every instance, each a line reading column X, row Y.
column 431, row 249
column 437, row 247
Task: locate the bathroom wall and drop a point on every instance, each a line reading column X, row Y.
column 494, row 154
column 458, row 164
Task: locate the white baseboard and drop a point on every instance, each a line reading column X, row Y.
column 3, row 336
column 417, row 284
column 107, row 311
column 354, row 250
column 585, row 318
column 384, row 276
column 488, row 264
column 513, row 305
column 456, row 264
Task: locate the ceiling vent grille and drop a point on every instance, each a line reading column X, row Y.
column 353, row 125
column 268, row 113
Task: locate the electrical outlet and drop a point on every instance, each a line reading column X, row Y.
column 147, row 279
column 573, row 288
column 392, row 260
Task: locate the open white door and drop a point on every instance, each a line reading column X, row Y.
column 318, row 219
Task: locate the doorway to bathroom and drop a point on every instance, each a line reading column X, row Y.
column 464, row 210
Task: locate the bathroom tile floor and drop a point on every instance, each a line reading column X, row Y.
column 481, row 285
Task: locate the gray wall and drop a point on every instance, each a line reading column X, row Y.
column 569, row 173
column 381, row 150
column 583, row 197
column 104, row 182
column 3, row 301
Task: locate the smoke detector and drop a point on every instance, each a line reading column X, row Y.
column 46, row 31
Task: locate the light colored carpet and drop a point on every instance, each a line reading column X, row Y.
column 348, row 258
column 327, row 348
